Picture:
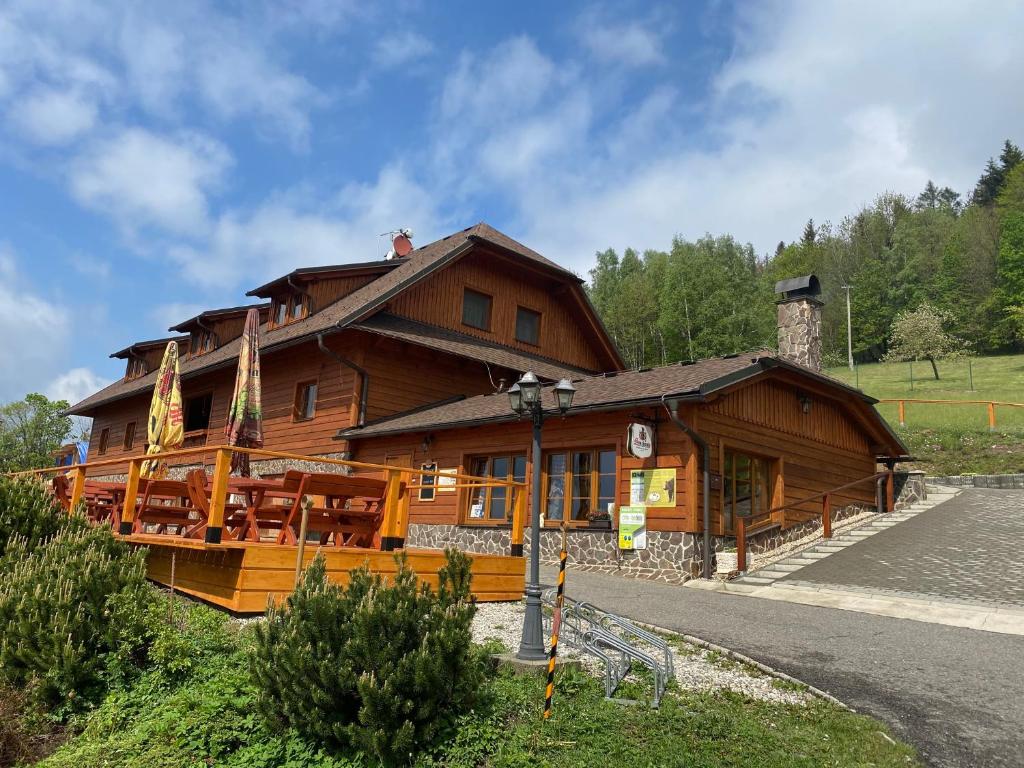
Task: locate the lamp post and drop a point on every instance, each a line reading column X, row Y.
column 526, row 398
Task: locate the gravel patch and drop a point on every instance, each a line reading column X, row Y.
column 696, row 669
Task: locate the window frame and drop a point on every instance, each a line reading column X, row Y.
column 128, row 442
column 104, row 442
column 466, row 503
column 775, row 490
column 540, row 319
column 489, row 322
column 428, row 483
column 568, row 476
column 288, row 304
column 298, row 413
column 185, row 412
column 136, row 369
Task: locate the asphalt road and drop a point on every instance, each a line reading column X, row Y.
column 956, row 694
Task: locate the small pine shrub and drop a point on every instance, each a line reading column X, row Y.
column 383, row 668
column 65, row 608
column 28, row 514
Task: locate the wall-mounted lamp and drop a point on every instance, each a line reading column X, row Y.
column 427, row 441
column 805, row 403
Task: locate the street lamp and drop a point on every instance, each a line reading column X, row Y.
column 525, row 398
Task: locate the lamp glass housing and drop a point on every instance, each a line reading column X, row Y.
column 515, row 398
column 529, row 385
column 564, row 393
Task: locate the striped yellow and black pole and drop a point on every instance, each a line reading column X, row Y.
column 556, row 623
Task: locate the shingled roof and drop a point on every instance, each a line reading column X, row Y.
column 606, row 392
column 356, row 306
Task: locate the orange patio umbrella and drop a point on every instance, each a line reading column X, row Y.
column 165, row 427
column 244, row 427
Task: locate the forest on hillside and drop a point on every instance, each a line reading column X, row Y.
column 715, row 296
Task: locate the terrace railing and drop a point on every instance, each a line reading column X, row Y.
column 402, row 482
column 753, row 524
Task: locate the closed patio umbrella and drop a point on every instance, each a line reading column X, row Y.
column 244, row 427
column 165, row 427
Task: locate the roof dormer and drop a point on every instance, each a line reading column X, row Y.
column 217, row 327
column 145, row 356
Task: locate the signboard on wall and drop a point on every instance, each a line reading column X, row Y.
column 446, row 484
column 653, row 487
column 632, row 528
column 640, row 440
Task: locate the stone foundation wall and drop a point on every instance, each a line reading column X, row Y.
column 258, row 467
column 910, row 487
column 670, row 556
column 980, row 481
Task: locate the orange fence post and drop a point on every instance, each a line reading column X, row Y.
column 903, row 413
column 826, row 516
column 131, row 492
column 396, row 497
column 218, row 496
column 741, row 543
column 991, row 417
column 77, row 487
column 518, row 522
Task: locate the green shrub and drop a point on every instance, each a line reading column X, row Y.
column 381, row 667
column 28, row 514
column 65, row 608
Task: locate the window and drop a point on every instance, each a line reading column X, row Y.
column 129, row 436
column 583, row 481
column 746, row 487
column 104, row 439
column 136, row 368
column 202, row 342
column 281, row 312
column 476, row 310
column 197, row 412
column 305, row 400
column 494, row 505
column 527, row 326
column 297, row 308
column 428, row 482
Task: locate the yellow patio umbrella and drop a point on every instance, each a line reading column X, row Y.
column 165, row 427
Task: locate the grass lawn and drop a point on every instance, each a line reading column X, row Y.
column 952, row 439
column 196, row 707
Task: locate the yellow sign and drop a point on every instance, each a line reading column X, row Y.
column 632, row 528
column 652, row 487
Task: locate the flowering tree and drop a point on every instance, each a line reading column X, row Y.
column 920, row 334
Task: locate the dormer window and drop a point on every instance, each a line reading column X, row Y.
column 289, row 309
column 136, row 368
column 202, row 342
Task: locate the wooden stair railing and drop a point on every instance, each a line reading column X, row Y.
column 744, row 529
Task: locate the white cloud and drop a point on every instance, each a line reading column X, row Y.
column 399, row 49
column 140, row 178
column 75, row 385
column 248, row 247
column 33, row 331
column 50, row 116
column 632, row 43
column 164, row 316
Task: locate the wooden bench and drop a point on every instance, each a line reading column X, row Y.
column 164, row 504
column 350, row 514
column 102, row 500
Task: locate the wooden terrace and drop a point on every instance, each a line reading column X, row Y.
column 238, row 542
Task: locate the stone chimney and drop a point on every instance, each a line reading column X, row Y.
column 800, row 320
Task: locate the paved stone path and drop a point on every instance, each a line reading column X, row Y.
column 956, row 694
column 966, row 550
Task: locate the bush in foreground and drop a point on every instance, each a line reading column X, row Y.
column 68, row 607
column 29, row 515
column 383, row 668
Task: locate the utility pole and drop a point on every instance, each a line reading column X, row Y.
column 849, row 328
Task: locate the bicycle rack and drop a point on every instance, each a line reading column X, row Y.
column 615, row 641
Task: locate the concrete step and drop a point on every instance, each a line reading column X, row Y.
column 784, row 565
column 812, row 555
column 771, row 574
column 755, row 580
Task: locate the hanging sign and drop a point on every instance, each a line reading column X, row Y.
column 652, row 487
column 640, row 440
column 446, row 483
column 632, row 528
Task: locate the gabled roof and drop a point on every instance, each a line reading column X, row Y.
column 220, row 314
column 268, row 290
column 143, row 346
column 359, row 305
column 628, row 389
column 462, row 345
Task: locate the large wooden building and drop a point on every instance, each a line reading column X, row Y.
column 406, row 361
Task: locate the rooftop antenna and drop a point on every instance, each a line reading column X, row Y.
column 401, row 243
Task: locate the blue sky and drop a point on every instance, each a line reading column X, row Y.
column 155, row 164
